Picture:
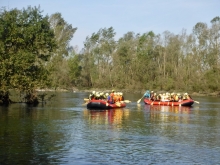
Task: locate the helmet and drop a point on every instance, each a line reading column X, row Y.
column 113, row 90
column 106, row 94
column 93, row 92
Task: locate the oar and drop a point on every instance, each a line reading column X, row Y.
column 152, row 103
column 140, row 99
column 196, row 102
column 86, row 102
column 86, row 99
column 125, row 101
column 143, row 96
column 118, row 104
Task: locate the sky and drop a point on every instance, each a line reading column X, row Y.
column 138, row 16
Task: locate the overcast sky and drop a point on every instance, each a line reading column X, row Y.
column 138, row 16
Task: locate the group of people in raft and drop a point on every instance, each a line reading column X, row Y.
column 111, row 98
column 166, row 96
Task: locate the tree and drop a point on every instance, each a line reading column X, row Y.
column 26, row 42
column 97, row 58
column 124, row 61
column 63, row 34
column 74, row 70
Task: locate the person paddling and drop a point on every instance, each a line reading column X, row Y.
column 111, row 97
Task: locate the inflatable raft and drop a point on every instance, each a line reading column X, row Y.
column 169, row 103
column 102, row 104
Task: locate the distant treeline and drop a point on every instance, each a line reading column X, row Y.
column 35, row 52
column 183, row 62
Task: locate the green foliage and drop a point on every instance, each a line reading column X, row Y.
column 63, row 33
column 98, row 59
column 26, row 42
column 57, row 65
column 212, row 78
column 163, row 62
column 216, row 19
column 74, row 70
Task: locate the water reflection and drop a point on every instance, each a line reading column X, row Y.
column 175, row 109
column 168, row 114
column 109, row 116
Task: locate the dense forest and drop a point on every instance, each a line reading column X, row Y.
column 35, row 53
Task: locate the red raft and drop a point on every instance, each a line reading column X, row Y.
column 170, row 103
column 102, row 104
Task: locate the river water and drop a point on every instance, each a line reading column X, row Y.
column 63, row 131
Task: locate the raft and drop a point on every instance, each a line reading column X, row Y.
column 102, row 104
column 170, row 103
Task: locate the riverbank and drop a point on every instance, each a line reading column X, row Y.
column 141, row 91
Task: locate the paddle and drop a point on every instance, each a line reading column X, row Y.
column 142, row 96
column 118, row 104
column 196, row 102
column 140, row 99
column 86, row 99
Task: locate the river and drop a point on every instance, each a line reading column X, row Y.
column 63, row 131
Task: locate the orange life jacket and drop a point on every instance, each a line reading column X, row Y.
column 116, row 98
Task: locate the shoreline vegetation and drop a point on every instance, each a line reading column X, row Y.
column 45, row 95
column 141, row 91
